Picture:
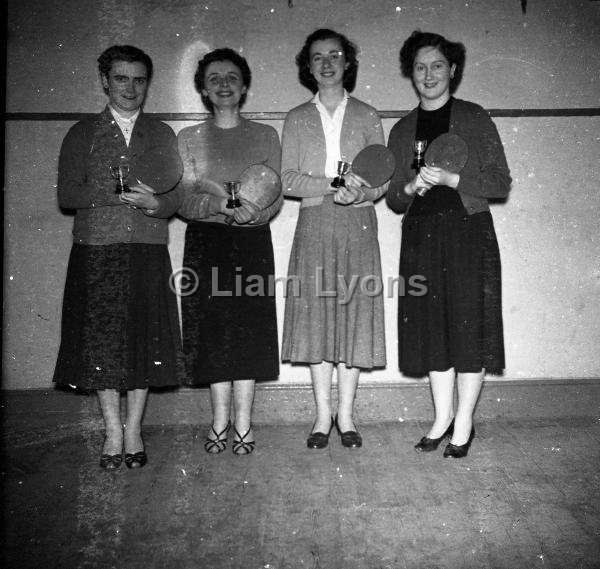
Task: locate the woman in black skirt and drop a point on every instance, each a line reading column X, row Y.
column 229, row 320
column 454, row 331
column 120, row 330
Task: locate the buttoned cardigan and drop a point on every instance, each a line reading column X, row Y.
column 85, row 184
column 484, row 176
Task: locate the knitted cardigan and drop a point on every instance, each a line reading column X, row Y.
column 484, row 176
column 304, row 152
column 84, row 182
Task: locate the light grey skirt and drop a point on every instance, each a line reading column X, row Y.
column 334, row 304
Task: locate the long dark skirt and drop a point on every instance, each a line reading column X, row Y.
column 458, row 322
column 120, row 328
column 229, row 322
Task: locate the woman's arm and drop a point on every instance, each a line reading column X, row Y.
column 486, row 173
column 295, row 182
column 76, row 159
column 398, row 197
column 200, row 197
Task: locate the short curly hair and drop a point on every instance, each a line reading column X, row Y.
column 221, row 54
column 127, row 53
column 350, row 53
column 454, row 52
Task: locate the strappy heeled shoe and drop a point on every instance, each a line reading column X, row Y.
column 240, row 446
column 350, row 439
column 427, row 445
column 319, row 440
column 459, row 451
column 219, row 442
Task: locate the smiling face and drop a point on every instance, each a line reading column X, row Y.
column 327, row 62
column 223, row 84
column 431, row 77
column 126, row 84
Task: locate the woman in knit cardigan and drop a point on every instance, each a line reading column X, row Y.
column 454, row 331
column 335, row 242
column 120, row 329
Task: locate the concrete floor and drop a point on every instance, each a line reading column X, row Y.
column 527, row 496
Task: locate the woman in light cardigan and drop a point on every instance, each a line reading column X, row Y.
column 335, row 242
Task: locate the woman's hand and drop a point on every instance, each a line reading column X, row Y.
column 247, row 213
column 141, row 196
column 435, row 176
column 417, row 184
column 353, row 192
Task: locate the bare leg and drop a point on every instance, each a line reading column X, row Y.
column 442, row 390
column 347, row 385
column 469, row 388
column 321, row 382
column 243, row 397
column 136, row 403
column 220, row 399
column 111, row 413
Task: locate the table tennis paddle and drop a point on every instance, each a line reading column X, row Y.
column 159, row 167
column 260, row 186
column 375, row 163
column 447, row 151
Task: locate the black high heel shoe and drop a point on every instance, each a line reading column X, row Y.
column 350, row 439
column 136, row 459
column 427, row 445
column 111, row 461
column 459, row 451
column 319, row 440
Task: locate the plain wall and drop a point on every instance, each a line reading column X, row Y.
column 548, row 58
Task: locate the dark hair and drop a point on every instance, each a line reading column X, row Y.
column 221, row 54
column 454, row 52
column 127, row 53
column 350, row 53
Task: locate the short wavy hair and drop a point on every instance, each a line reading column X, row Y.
column 350, row 53
column 454, row 52
column 127, row 53
column 221, row 54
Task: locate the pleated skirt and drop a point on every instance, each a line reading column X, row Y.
column 458, row 321
column 334, row 303
column 120, row 326
column 229, row 322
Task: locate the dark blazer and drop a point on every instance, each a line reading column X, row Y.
column 85, row 183
column 485, row 175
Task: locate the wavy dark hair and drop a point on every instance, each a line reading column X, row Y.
column 222, row 54
column 127, row 53
column 350, row 53
column 454, row 52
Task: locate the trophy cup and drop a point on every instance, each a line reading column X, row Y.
column 342, row 169
column 419, row 147
column 120, row 173
column 233, row 189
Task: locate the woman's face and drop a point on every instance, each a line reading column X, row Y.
column 431, row 75
column 223, row 84
column 327, row 62
column 126, row 84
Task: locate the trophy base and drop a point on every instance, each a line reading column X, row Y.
column 121, row 189
column 338, row 183
column 233, row 203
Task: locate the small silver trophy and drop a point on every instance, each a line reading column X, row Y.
column 342, row 169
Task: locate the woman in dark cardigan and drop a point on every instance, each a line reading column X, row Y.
column 454, row 331
column 120, row 330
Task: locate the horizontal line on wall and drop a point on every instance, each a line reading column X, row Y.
column 279, row 116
